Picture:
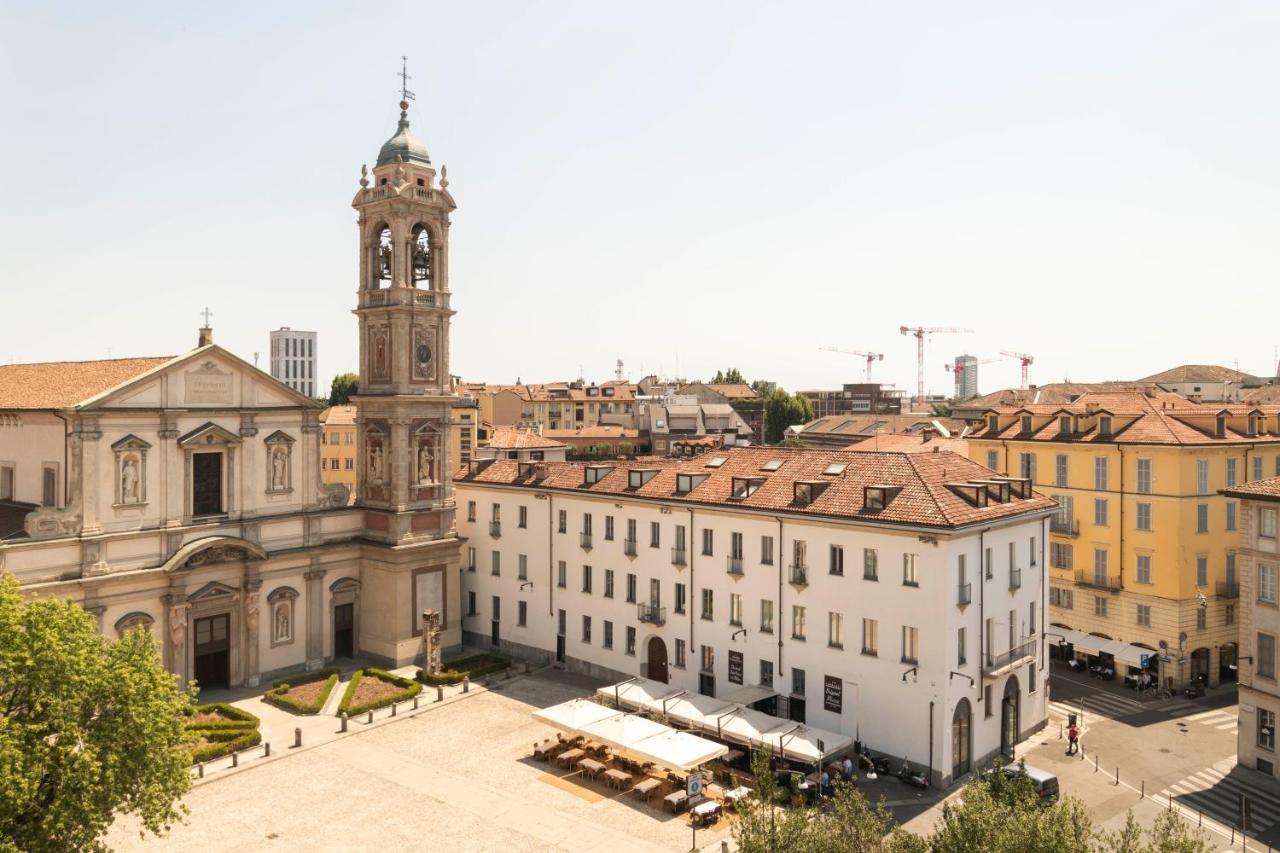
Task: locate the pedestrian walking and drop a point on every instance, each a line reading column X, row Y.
column 1073, row 740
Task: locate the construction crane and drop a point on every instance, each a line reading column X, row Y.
column 869, row 356
column 1026, row 360
column 918, row 332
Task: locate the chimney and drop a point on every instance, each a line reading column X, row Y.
column 206, row 336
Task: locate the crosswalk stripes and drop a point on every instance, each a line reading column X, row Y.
column 1222, row 719
column 1099, row 704
column 1216, row 792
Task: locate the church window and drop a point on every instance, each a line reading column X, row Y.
column 206, row 484
column 421, row 257
column 382, row 259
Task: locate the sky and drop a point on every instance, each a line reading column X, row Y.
column 683, row 186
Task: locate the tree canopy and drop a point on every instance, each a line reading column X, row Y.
column 344, row 386
column 782, row 410
column 732, row 376
column 998, row 812
column 89, row 728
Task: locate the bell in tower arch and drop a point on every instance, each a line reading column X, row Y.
column 421, row 251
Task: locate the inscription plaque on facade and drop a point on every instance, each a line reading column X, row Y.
column 207, row 384
column 832, row 694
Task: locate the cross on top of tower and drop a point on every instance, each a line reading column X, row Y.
column 206, row 313
column 405, row 94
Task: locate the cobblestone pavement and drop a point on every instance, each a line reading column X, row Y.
column 456, row 776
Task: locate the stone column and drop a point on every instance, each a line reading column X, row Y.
column 315, row 618
column 251, row 487
column 89, row 476
column 252, row 589
column 170, row 462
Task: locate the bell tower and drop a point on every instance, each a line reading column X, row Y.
column 406, row 395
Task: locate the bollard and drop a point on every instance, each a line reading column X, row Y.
column 1199, row 814
column 439, row 693
column 1095, row 764
column 266, row 749
column 1117, row 775
column 235, row 759
column 297, row 738
column 342, row 718
column 370, row 720
column 200, row 767
column 1059, row 731
column 466, row 683
column 415, row 703
column 1143, row 795
column 393, row 709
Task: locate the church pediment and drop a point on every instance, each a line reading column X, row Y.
column 208, row 434
column 130, row 442
column 279, row 437
column 211, row 591
column 211, row 550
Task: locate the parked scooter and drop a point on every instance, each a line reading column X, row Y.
column 915, row 778
column 870, row 765
column 1196, row 688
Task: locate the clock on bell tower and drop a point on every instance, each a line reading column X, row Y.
column 406, row 395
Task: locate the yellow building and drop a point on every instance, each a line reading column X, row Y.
column 465, row 435
column 556, row 405
column 1143, row 549
column 338, row 446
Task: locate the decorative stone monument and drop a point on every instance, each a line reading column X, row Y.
column 431, row 642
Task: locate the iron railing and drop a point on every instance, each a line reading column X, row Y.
column 653, row 614
column 1097, row 580
column 679, row 556
column 991, row 663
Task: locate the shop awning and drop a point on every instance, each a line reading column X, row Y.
column 677, row 750
column 748, row 694
column 807, row 744
column 574, row 714
column 743, row 725
column 623, row 731
column 1086, row 643
column 691, row 708
column 638, row 693
column 1127, row 653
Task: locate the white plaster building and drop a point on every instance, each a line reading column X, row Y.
column 293, row 359
column 896, row 598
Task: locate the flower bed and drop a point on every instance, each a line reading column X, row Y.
column 219, row 729
column 371, row 689
column 304, row 694
column 472, row 667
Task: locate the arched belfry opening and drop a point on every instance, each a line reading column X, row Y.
column 421, row 255
column 383, row 258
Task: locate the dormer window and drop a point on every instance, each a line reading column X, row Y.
column 807, row 491
column 1220, row 429
column 1026, row 424
column 745, row 487
column 686, row 483
column 595, row 473
column 993, row 423
column 878, row 497
column 974, row 494
column 1104, row 425
column 1064, row 425
column 637, row 477
column 1253, row 424
column 526, row 469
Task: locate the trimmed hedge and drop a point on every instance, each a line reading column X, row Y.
column 408, row 691
column 223, row 737
column 279, row 696
column 306, row 677
column 471, row 667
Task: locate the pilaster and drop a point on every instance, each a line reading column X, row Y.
column 315, row 617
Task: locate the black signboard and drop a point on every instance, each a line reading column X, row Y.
column 832, row 694
column 735, row 667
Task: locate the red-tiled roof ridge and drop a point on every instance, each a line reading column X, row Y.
column 62, row 384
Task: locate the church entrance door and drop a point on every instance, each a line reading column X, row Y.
column 344, row 632
column 213, row 651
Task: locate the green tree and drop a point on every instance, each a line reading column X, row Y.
column 850, row 824
column 1001, row 813
column 344, row 386
column 1170, row 834
column 764, row 825
column 732, row 376
column 762, row 387
column 782, row 410
column 90, row 728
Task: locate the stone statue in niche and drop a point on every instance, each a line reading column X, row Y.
column 426, row 462
column 282, row 621
column 177, row 624
column 279, row 469
column 375, row 463
column 251, row 611
column 379, row 352
column 129, row 480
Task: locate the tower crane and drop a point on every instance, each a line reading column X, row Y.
column 1026, row 360
column 918, row 332
column 869, row 356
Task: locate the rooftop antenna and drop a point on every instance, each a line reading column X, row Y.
column 617, row 373
column 255, row 359
column 405, row 94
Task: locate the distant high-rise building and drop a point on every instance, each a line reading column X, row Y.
column 966, row 377
column 293, row 359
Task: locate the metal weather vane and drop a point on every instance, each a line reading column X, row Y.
column 405, row 94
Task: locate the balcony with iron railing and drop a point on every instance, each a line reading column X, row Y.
column 734, row 565
column 799, row 574
column 1064, row 526
column 585, row 539
column 964, row 594
column 1228, row 589
column 679, row 556
column 653, row 614
column 495, row 529
column 994, row 664
column 1015, row 579
column 629, row 547
column 1099, row 580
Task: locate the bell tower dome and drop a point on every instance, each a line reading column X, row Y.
column 406, row 394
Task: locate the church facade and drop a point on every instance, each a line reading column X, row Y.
column 183, row 494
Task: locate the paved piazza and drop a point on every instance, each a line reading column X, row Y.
column 459, row 777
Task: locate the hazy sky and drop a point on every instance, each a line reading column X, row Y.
column 683, row 185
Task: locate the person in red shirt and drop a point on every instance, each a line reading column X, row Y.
column 1073, row 740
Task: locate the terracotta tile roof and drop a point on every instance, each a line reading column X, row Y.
column 874, row 424
column 596, row 431
column 908, row 443
column 1196, row 373
column 924, row 498
column 1157, row 417
column 510, row 438
column 733, row 391
column 62, row 384
column 338, row 416
column 1268, row 489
